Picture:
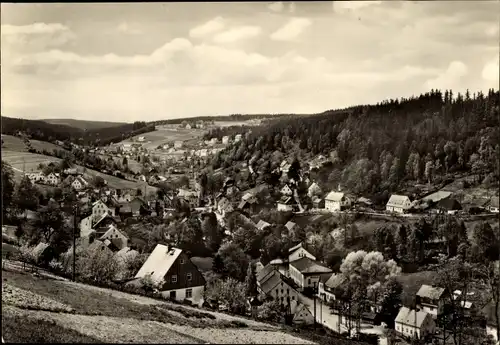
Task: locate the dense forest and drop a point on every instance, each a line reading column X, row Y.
column 41, row 130
column 374, row 149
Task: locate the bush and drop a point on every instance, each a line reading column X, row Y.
column 97, row 265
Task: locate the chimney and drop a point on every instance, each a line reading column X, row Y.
column 338, row 188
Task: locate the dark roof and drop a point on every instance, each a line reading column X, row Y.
column 449, row 204
column 265, row 271
column 308, row 266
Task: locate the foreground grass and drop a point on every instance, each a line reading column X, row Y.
column 20, row 329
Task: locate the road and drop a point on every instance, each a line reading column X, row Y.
column 331, row 321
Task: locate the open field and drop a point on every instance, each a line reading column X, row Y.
column 77, row 311
column 164, row 135
column 13, row 143
column 45, row 145
column 32, row 160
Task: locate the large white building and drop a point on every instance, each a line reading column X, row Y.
column 398, row 203
column 414, row 324
column 337, row 201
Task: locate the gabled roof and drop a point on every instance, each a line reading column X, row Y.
column 411, row 317
column 247, row 196
column 397, row 200
column 262, row 224
column 104, row 216
column 294, row 248
column 335, row 281
column 334, row 196
column 437, row 196
column 271, row 281
column 268, row 269
column 112, row 229
column 314, row 186
column 430, row 292
column 449, row 204
column 308, row 266
column 159, row 262
column 286, row 200
column 290, row 225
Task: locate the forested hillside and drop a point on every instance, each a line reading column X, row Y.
column 83, row 124
column 41, row 130
column 234, row 117
column 379, row 148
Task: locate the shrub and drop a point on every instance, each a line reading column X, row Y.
column 97, row 265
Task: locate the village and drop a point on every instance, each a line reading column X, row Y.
column 308, row 290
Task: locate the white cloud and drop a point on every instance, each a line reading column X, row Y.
column 34, row 37
column 277, row 6
column 491, row 72
column 33, row 29
column 350, row 5
column 450, row 78
column 291, row 30
column 210, row 27
column 127, row 29
column 237, row 34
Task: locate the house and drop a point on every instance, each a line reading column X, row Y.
column 303, row 315
column 188, row 126
column 264, row 272
column 414, row 324
column 286, row 204
column 327, row 286
column 137, row 205
column 249, row 198
column 53, row 179
column 35, row 177
column 306, row 273
column 225, row 140
column 124, row 198
column 430, row 300
column 275, row 285
column 286, row 190
column 298, row 252
column 99, row 208
column 126, row 147
column 262, row 224
column 290, row 225
column 318, row 202
column 119, row 239
column 177, row 276
column 178, row 144
column 449, row 206
column 313, row 190
column 493, row 204
column 140, row 139
column 79, row 183
column 337, row 201
column 237, row 137
column 398, row 203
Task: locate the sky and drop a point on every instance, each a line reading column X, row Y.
column 151, row 61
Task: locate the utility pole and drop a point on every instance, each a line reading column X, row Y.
column 314, row 298
column 75, row 211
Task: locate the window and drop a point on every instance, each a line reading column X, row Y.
column 189, row 277
column 281, row 290
column 189, row 293
column 288, row 291
column 309, row 281
column 277, row 292
column 182, row 261
column 174, row 278
column 293, row 298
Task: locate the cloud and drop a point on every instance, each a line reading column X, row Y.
column 34, row 37
column 450, row 78
column 237, row 34
column 291, row 30
column 491, row 72
column 210, row 27
column 126, row 29
column 277, row 6
column 343, row 6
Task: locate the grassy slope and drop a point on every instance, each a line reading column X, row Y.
column 102, row 314
column 82, row 124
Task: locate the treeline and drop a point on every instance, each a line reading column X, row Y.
column 230, row 131
column 234, row 117
column 378, row 148
column 41, row 130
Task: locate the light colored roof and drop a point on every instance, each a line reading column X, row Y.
column 431, row 292
column 411, row 317
column 159, row 262
column 307, row 266
column 262, row 224
column 294, row 248
column 290, row 225
column 314, row 186
column 335, row 281
column 397, row 200
column 247, row 196
column 112, row 229
column 437, row 196
column 334, row 196
column 39, row 249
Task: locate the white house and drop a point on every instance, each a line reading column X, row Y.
column 298, row 252
column 237, row 137
column 286, row 190
column 140, row 139
column 493, row 205
column 126, row 147
column 303, row 315
column 53, row 179
column 337, row 201
column 430, row 300
column 327, row 285
column 178, row 144
column 398, row 203
column 99, row 208
column 414, row 324
column 174, row 273
column 225, row 140
column 313, row 189
column 116, row 236
column 286, row 204
column 79, row 183
column 306, row 273
column 276, row 286
column 35, row 177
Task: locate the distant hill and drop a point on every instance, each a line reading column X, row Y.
column 45, row 131
column 83, row 124
column 234, row 117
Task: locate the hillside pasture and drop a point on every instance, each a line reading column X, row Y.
column 12, row 143
column 44, row 145
column 166, row 135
